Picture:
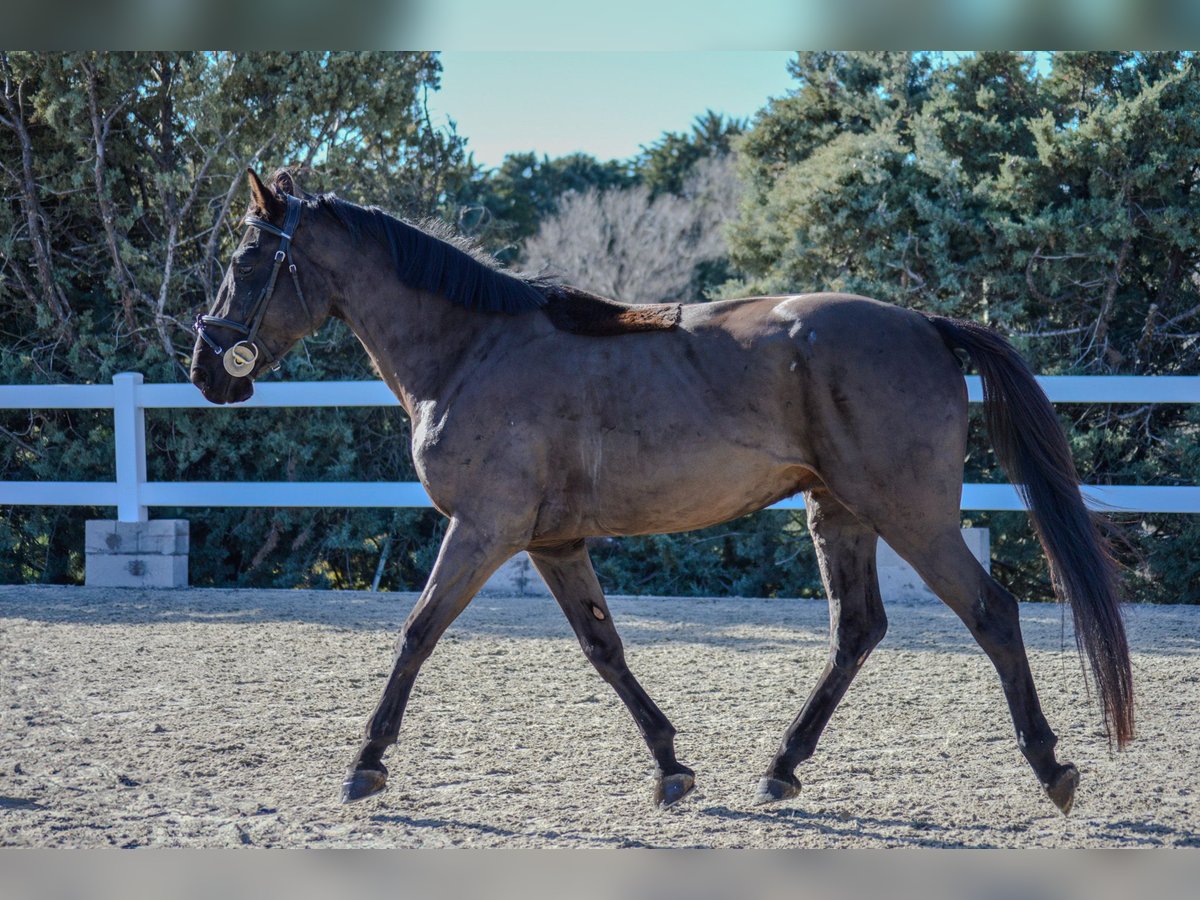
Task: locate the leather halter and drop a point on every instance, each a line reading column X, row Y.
column 240, row 359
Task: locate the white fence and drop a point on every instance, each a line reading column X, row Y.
column 131, row 493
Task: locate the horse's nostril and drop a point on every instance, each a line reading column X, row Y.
column 200, row 378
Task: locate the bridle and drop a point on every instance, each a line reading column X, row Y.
column 239, row 360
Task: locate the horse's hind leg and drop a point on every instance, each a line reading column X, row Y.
column 467, row 558
column 568, row 572
column 846, row 553
column 991, row 613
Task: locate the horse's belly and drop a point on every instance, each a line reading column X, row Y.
column 632, row 493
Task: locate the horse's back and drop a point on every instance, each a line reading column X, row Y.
column 857, row 353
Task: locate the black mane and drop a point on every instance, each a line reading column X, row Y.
column 430, row 257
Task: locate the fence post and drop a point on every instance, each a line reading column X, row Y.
column 129, row 432
column 133, row 551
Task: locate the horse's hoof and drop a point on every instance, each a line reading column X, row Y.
column 772, row 790
column 1062, row 789
column 670, row 789
column 363, row 783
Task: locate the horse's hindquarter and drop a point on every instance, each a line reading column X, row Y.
column 651, row 432
column 885, row 404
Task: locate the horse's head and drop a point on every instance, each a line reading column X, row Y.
column 262, row 308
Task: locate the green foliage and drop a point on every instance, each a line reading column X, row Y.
column 665, row 165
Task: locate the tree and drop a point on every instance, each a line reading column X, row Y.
column 634, row 246
column 504, row 207
column 665, row 165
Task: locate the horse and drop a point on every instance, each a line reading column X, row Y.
column 543, row 415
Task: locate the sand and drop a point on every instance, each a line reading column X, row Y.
column 223, row 718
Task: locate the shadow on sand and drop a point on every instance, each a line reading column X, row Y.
column 737, row 623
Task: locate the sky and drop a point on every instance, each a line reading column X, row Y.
column 604, row 103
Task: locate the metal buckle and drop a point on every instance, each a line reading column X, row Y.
column 198, row 327
column 280, row 256
column 239, row 359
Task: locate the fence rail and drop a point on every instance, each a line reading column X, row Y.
column 128, row 397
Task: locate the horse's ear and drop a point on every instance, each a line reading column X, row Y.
column 265, row 200
column 287, row 184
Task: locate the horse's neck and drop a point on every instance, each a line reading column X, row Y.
column 415, row 339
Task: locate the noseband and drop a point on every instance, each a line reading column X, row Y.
column 239, row 360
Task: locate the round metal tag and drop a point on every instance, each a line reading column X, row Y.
column 239, row 359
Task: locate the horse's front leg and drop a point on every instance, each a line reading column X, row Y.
column 567, row 570
column 467, row 558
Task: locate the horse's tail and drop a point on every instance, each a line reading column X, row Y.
column 1033, row 450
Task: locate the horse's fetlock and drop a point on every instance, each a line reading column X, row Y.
column 1036, row 744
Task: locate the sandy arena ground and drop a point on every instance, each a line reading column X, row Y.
column 212, row 718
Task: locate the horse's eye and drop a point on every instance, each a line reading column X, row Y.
column 245, row 270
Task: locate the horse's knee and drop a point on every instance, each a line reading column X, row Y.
column 876, row 633
column 857, row 637
column 413, row 646
column 607, row 655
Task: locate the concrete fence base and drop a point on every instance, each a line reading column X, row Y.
column 517, row 577
column 136, row 554
column 897, row 579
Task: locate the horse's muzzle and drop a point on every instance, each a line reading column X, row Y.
column 219, row 387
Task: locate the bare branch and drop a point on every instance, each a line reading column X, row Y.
column 53, row 296
column 27, row 447
column 629, row 246
column 1187, row 314
column 210, row 248
column 1036, row 255
column 204, row 167
column 160, row 319
column 1058, row 332
column 1110, row 293
column 108, row 215
column 1147, row 337
column 1134, row 413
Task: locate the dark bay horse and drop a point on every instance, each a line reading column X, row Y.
column 542, row 415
